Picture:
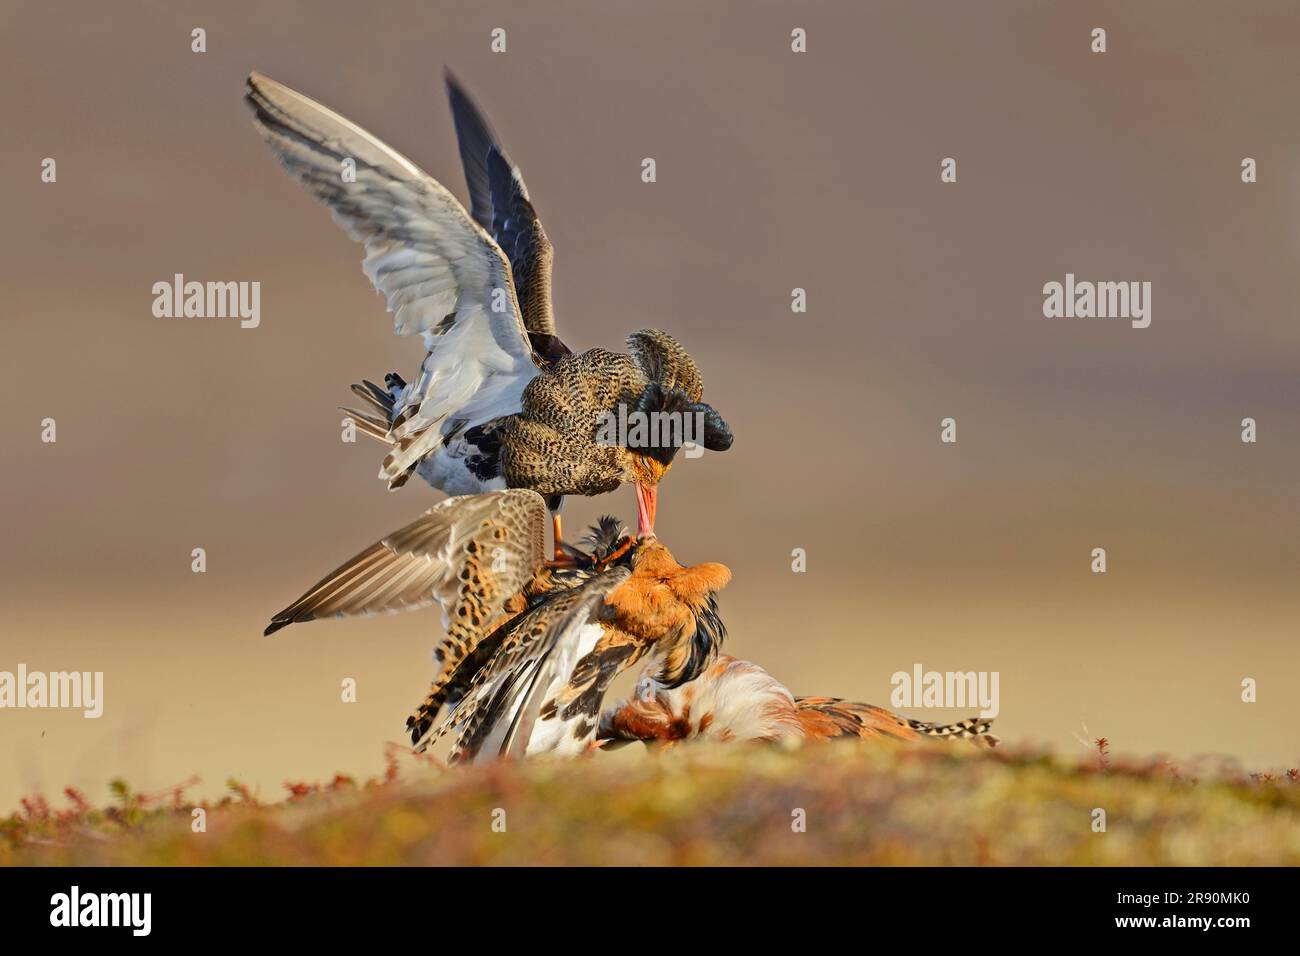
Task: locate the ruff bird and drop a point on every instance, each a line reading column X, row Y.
column 738, row 700
column 481, row 558
column 499, row 401
column 537, row 684
column 513, row 619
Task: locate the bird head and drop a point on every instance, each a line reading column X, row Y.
column 672, row 606
column 659, row 424
column 667, row 414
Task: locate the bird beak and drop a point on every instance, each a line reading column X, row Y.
column 645, row 510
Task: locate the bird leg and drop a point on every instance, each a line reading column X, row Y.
column 560, row 554
column 560, row 558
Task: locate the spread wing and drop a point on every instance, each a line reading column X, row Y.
column 499, row 714
column 443, row 276
column 499, row 203
column 470, row 554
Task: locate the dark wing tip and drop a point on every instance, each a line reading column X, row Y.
column 500, row 172
column 285, row 618
column 455, row 88
column 469, row 119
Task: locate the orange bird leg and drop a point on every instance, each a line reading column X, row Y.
column 560, row 558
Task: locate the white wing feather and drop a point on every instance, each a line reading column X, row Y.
column 442, row 275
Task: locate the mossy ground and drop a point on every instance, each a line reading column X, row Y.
column 700, row 805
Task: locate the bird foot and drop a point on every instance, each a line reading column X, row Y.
column 561, row 559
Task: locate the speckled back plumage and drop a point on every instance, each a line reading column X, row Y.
column 550, row 446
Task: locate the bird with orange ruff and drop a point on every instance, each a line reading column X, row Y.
column 543, row 688
column 530, row 647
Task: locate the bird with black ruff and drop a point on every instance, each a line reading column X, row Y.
column 499, row 401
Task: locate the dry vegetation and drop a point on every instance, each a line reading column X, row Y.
column 700, row 805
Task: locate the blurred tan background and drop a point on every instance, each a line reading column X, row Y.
column 775, row 170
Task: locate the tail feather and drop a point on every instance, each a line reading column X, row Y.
column 376, row 396
column 828, row 717
column 383, row 421
column 368, row 424
column 377, row 420
column 381, row 400
column 972, row 728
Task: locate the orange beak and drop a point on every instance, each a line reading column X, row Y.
column 645, row 510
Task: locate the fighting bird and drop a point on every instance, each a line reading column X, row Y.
column 476, row 556
column 499, row 401
column 738, row 700
column 514, row 620
column 542, row 689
